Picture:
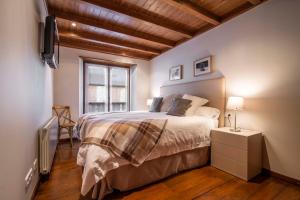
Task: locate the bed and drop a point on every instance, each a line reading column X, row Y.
column 183, row 144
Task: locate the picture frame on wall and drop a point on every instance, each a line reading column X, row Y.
column 175, row 73
column 202, row 66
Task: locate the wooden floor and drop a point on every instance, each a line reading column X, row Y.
column 204, row 183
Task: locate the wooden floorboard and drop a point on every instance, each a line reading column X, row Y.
column 206, row 183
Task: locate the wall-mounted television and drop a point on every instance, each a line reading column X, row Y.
column 51, row 43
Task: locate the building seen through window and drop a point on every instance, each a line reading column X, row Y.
column 106, row 88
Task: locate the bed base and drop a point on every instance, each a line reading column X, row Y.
column 128, row 177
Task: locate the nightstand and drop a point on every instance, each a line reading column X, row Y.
column 238, row 153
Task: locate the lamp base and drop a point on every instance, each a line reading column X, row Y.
column 235, row 129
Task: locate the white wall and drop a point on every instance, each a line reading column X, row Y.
column 258, row 53
column 26, row 95
column 68, row 79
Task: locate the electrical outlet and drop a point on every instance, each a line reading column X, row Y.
column 28, row 178
column 35, row 164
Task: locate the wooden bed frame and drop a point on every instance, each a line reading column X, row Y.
column 128, row 177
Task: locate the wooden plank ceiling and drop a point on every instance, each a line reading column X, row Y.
column 139, row 28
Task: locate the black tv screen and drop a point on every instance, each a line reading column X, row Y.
column 51, row 51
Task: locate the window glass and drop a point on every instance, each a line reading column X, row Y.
column 106, row 88
column 96, row 98
column 119, row 89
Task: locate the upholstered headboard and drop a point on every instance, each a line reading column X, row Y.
column 212, row 89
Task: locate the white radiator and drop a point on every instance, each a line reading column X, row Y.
column 47, row 145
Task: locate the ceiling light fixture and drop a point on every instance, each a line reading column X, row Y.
column 73, row 24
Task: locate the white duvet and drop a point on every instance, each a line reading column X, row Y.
column 180, row 134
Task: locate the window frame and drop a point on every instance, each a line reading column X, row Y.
column 109, row 67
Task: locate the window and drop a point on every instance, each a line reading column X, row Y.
column 106, row 88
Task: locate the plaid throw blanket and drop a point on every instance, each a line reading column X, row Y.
column 130, row 139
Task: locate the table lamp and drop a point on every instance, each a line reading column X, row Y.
column 236, row 104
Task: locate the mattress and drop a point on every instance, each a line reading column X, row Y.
column 180, row 134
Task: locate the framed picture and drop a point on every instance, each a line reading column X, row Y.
column 202, row 66
column 175, row 73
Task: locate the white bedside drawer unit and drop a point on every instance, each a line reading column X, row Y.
column 238, row 153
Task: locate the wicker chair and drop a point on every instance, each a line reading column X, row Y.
column 64, row 120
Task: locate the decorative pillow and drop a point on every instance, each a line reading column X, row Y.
column 156, row 104
column 196, row 103
column 179, row 107
column 209, row 112
column 167, row 101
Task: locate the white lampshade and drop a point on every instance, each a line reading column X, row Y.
column 149, row 102
column 235, row 103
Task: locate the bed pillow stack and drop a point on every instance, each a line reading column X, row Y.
column 209, row 112
column 196, row 103
column 167, row 102
column 179, row 107
column 156, row 104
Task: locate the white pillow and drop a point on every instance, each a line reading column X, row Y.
column 209, row 112
column 196, row 103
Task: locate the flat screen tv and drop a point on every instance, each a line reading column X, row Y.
column 51, row 43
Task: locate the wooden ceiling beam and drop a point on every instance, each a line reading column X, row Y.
column 255, row 2
column 106, row 62
column 237, row 11
column 195, row 10
column 111, row 26
column 144, row 15
column 106, row 39
column 102, row 48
